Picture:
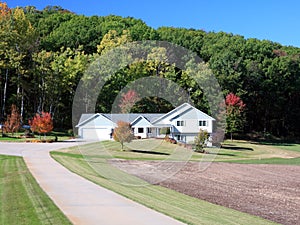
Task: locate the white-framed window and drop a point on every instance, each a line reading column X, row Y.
column 141, row 130
column 180, row 123
column 180, row 137
column 202, row 123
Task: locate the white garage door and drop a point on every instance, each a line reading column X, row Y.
column 96, row 133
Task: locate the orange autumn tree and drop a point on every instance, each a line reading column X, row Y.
column 4, row 10
column 41, row 123
column 123, row 133
column 12, row 124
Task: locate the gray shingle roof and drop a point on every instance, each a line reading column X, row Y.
column 85, row 116
column 129, row 118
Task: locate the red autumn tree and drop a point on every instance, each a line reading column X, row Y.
column 123, row 133
column 41, row 123
column 128, row 100
column 234, row 113
column 12, row 124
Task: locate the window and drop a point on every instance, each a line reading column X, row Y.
column 180, row 137
column 149, row 130
column 180, row 123
column 140, row 130
column 202, row 123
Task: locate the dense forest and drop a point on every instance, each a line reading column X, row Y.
column 44, row 53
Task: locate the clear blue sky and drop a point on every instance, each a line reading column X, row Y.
column 275, row 20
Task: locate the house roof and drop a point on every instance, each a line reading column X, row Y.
column 177, row 109
column 141, row 120
column 198, row 113
column 180, row 110
column 129, row 118
column 153, row 118
column 86, row 117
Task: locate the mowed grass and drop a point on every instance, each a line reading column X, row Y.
column 260, row 153
column 179, row 206
column 22, row 201
column 278, row 161
column 17, row 137
column 236, row 151
column 289, row 147
column 150, row 149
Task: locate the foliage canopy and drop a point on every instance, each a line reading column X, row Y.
column 44, row 53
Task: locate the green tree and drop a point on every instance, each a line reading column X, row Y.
column 200, row 141
column 19, row 42
column 112, row 40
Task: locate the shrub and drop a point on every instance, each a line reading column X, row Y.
column 200, row 141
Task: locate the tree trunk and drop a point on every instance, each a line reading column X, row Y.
column 22, row 106
column 4, row 93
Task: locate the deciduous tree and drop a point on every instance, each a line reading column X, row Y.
column 41, row 123
column 12, row 124
column 234, row 113
column 123, row 133
column 128, row 100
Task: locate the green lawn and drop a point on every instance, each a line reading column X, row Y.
column 17, row 137
column 182, row 207
column 237, row 151
column 260, row 153
column 279, row 161
column 22, row 201
column 290, row 147
column 140, row 150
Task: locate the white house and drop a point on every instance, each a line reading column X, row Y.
column 183, row 124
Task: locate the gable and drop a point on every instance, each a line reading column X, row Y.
column 95, row 120
column 192, row 113
column 184, row 111
column 141, row 122
column 166, row 118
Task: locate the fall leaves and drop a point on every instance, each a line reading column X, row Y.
column 123, row 133
column 12, row 124
column 41, row 123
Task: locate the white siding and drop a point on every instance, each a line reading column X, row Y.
column 95, row 133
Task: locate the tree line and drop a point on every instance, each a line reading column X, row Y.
column 44, row 54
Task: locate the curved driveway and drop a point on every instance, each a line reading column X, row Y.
column 82, row 201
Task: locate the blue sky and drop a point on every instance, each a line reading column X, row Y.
column 274, row 20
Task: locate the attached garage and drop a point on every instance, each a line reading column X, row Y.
column 96, row 133
column 95, row 127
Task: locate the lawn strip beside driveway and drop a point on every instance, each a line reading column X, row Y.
column 82, row 201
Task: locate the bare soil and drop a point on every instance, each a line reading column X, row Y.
column 268, row 191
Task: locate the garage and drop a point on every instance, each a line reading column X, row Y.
column 96, row 133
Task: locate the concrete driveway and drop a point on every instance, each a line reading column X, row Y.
column 82, row 201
